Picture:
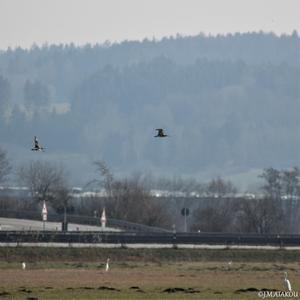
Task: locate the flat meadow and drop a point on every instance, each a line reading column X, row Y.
column 145, row 273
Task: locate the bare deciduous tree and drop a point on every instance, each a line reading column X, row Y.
column 129, row 199
column 219, row 187
column 218, row 216
column 5, row 166
column 106, row 176
column 46, row 182
column 290, row 181
column 261, row 216
column 282, row 190
column 272, row 187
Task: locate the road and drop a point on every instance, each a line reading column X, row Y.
column 21, row 224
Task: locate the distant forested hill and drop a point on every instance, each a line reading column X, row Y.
column 230, row 104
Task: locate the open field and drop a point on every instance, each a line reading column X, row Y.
column 133, row 276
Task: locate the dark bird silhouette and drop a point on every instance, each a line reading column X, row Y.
column 160, row 133
column 37, row 146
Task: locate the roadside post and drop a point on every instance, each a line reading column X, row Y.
column 103, row 219
column 44, row 215
column 185, row 212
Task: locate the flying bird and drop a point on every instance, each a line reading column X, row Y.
column 37, row 146
column 160, row 133
column 287, row 282
column 23, row 265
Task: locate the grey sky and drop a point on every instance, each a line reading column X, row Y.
column 24, row 22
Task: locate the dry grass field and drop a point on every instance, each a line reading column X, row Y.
column 143, row 279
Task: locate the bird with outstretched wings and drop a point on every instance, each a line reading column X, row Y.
column 37, row 146
column 160, row 133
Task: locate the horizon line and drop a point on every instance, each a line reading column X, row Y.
column 109, row 43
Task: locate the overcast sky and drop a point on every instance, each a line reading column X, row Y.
column 23, row 23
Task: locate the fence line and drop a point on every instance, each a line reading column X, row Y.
column 124, row 238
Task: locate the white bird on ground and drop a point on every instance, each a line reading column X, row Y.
column 107, row 265
column 287, row 282
column 229, row 265
column 23, row 265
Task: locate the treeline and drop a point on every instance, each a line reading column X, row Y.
column 213, row 206
column 229, row 103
